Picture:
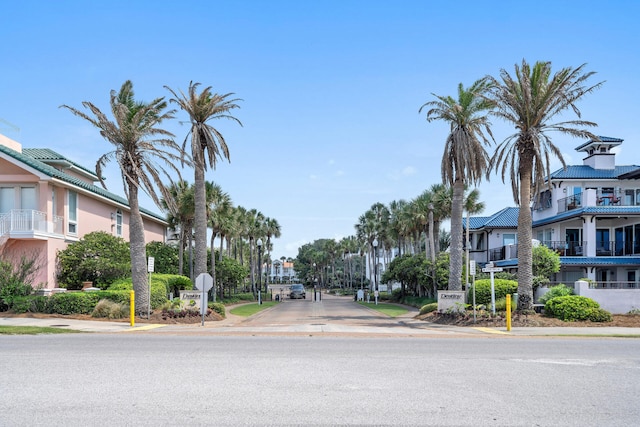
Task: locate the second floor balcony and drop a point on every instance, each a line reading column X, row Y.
column 27, row 223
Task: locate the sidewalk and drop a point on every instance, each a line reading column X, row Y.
column 414, row 327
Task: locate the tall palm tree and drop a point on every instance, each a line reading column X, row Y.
column 272, row 229
column 465, row 159
column 180, row 215
column 140, row 149
column 219, row 206
column 530, row 100
column 207, row 146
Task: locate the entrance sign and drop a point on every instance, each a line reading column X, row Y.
column 451, row 301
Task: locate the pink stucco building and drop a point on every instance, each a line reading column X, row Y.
column 47, row 201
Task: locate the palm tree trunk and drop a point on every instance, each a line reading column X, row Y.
column 200, row 220
column 213, row 265
column 525, row 250
column 138, row 254
column 455, row 258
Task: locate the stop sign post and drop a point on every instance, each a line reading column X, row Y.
column 204, row 283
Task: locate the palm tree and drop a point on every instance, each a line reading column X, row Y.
column 139, row 145
column 530, row 101
column 465, row 159
column 180, row 215
column 207, row 146
column 272, row 229
column 219, row 206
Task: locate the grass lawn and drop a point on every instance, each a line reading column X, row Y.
column 390, row 310
column 33, row 330
column 251, row 309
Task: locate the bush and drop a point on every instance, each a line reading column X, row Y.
column 502, row 287
column 572, row 307
column 599, row 315
column 428, row 308
column 15, row 283
column 83, row 302
column 110, row 310
column 98, row 257
column 72, row 303
column 176, row 283
column 560, row 290
column 218, row 308
column 158, row 288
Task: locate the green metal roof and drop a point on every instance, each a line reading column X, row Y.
column 46, row 155
column 48, row 170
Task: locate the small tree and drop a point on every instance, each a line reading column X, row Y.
column 98, row 257
column 545, row 263
column 166, row 257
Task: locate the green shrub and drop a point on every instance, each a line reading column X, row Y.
column 72, row 303
column 560, row 290
column 502, row 288
column 158, row 288
column 98, row 257
column 428, row 308
column 571, row 307
column 416, row 302
column 599, row 315
column 218, row 308
column 501, row 304
column 83, row 302
column 38, row 304
column 110, row 310
column 13, row 293
column 176, row 283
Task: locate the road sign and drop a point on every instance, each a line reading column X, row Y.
column 204, row 282
column 472, row 267
column 491, row 269
column 151, row 264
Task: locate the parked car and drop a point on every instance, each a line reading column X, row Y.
column 297, row 291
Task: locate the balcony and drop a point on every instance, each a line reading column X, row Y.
column 503, row 253
column 566, row 248
column 29, row 223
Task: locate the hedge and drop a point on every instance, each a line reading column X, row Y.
column 575, row 307
column 502, row 288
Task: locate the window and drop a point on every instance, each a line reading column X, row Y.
column 72, row 203
column 28, row 198
column 7, row 199
column 480, row 241
column 603, row 245
column 119, row 223
column 508, row 239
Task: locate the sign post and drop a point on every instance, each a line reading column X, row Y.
column 204, row 283
column 472, row 271
column 491, row 269
column 150, row 269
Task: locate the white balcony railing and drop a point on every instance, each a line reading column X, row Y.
column 29, row 221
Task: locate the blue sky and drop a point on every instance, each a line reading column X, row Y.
column 330, row 89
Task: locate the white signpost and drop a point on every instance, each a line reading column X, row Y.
column 150, row 269
column 204, row 283
column 491, row 269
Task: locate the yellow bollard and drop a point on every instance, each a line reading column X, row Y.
column 132, row 304
column 508, row 312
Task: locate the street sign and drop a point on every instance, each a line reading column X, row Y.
column 491, row 269
column 151, row 264
column 472, row 267
column 204, row 282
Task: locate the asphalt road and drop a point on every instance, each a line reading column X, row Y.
column 157, row 379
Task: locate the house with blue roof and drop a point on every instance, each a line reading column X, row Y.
column 589, row 214
column 48, row 201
